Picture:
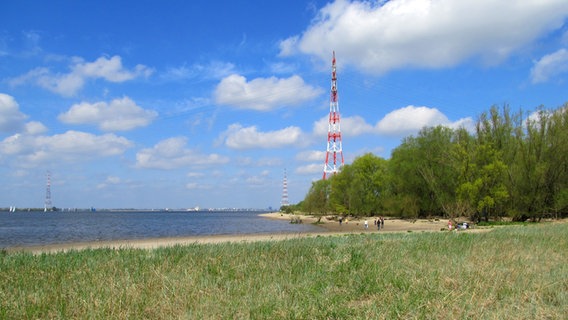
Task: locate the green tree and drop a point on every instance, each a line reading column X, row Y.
column 541, row 164
column 339, row 197
column 424, row 172
column 316, row 201
column 368, row 174
column 406, row 188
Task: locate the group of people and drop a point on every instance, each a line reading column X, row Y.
column 379, row 223
column 459, row 226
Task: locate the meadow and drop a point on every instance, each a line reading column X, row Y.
column 518, row 272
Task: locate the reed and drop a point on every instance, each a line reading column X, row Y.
column 511, row 272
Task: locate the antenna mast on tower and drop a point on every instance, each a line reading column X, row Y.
column 334, row 147
column 284, row 201
column 48, row 204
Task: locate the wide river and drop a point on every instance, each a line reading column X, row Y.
column 43, row 228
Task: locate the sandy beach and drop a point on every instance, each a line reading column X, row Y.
column 329, row 227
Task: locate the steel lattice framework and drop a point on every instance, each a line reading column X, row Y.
column 284, row 201
column 48, row 204
column 334, row 153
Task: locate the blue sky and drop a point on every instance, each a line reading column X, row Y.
column 176, row 104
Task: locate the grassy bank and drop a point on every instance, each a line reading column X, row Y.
column 511, row 272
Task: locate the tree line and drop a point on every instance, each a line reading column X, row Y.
column 513, row 165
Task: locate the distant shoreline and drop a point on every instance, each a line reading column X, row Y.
column 328, row 228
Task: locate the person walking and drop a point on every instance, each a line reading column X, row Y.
column 366, row 224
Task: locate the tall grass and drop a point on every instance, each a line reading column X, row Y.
column 511, row 272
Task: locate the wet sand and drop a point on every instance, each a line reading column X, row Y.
column 329, row 227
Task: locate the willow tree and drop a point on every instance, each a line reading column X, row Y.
column 424, row 171
column 541, row 167
column 316, row 201
column 368, row 183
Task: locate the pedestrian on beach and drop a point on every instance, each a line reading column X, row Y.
column 382, row 223
column 366, row 224
column 379, row 224
column 340, row 220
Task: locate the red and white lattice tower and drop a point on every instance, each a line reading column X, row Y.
column 334, row 147
column 48, row 204
column 284, row 201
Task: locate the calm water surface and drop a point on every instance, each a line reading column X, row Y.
column 41, row 228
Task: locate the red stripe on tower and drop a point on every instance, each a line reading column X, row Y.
column 334, row 147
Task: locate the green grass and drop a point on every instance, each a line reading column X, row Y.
column 511, row 272
column 503, row 223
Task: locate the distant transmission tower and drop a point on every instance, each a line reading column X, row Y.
column 334, row 147
column 284, row 201
column 48, row 204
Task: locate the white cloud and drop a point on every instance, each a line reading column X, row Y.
column 195, row 174
column 198, row 186
column 411, row 119
column 282, row 68
column 239, row 137
column 172, row 153
column 311, row 155
column 11, row 119
column 70, row 83
column 549, row 66
column 466, row 123
column 118, row 115
column 256, row 180
column 113, row 180
column 70, row 146
column 213, row 70
column 288, row 46
column 400, row 122
column 379, row 37
column 264, row 94
column 34, row 128
column 310, row 168
column 270, row 162
column 110, row 180
column 110, row 70
column 350, row 126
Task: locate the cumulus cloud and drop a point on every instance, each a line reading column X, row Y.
column 264, row 94
column 311, row 155
column 68, row 84
column 69, row 146
column 549, row 66
column 172, row 154
column 411, row 119
column 11, row 119
column 239, row 137
column 118, row 115
column 381, row 36
column 310, row 169
column 350, row 126
column 34, row 128
column 399, row 122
